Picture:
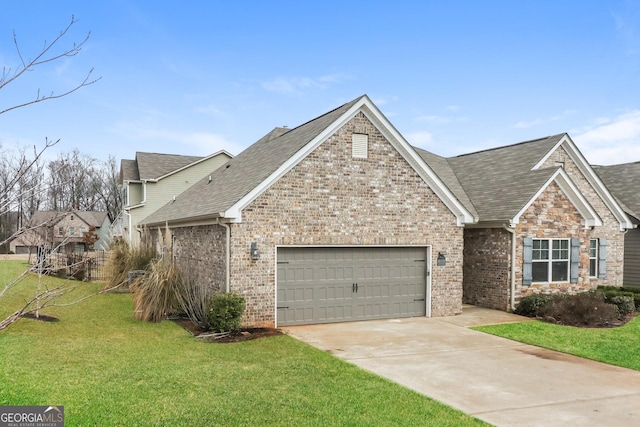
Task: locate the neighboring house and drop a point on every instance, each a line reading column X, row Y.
column 338, row 219
column 341, row 219
column 152, row 179
column 547, row 224
column 624, row 183
column 63, row 231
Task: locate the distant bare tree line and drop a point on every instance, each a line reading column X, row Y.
column 71, row 181
column 29, row 182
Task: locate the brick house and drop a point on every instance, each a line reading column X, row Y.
column 337, row 219
column 624, row 183
column 341, row 219
column 547, row 223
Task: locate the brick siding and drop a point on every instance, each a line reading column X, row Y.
column 487, row 260
column 329, row 198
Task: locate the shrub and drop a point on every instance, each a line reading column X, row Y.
column 583, row 309
column 225, row 312
column 624, row 303
column 611, row 291
column 530, row 304
column 154, row 294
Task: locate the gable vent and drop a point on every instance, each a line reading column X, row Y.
column 359, row 145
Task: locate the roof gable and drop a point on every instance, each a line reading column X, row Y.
column 502, row 182
column 592, row 178
column 568, row 187
column 499, row 181
column 235, row 185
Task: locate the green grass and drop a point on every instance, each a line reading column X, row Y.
column 108, row 369
column 616, row 346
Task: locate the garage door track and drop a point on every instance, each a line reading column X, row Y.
column 503, row 382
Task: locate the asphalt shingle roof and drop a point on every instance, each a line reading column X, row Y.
column 495, row 184
column 129, row 170
column 156, row 165
column 623, row 181
column 442, row 168
column 235, row 179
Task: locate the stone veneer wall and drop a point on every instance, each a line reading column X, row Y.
column 330, row 198
column 610, row 229
column 487, row 260
column 553, row 216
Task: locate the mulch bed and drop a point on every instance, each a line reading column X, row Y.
column 239, row 336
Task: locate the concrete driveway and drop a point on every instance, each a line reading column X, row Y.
column 497, row 380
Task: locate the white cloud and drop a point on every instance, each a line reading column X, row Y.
column 298, row 85
column 210, row 110
column 539, row 121
column 448, row 117
column 611, row 141
column 205, row 143
column 420, row 139
column 441, row 119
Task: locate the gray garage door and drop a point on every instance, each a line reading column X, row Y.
column 340, row 284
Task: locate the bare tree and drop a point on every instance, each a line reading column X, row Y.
column 110, row 192
column 82, row 187
column 50, row 52
column 21, row 181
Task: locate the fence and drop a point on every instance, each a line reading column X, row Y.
column 82, row 266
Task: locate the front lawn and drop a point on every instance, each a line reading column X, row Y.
column 108, row 369
column 617, row 346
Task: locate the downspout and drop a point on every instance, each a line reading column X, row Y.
column 512, row 271
column 227, row 254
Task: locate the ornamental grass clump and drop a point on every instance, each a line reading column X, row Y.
column 193, row 300
column 154, row 294
column 124, row 258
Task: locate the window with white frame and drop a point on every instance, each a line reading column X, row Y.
column 550, row 260
column 594, row 248
column 60, row 231
column 72, row 231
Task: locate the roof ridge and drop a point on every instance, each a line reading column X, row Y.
column 166, row 154
column 325, row 114
column 508, row 146
column 617, row 164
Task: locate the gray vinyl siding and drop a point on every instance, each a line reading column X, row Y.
column 632, row 258
column 135, row 193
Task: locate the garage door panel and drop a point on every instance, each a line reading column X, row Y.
column 316, row 284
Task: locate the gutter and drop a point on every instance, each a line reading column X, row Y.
column 512, row 271
column 227, row 254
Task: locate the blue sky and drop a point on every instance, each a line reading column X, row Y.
column 452, row 76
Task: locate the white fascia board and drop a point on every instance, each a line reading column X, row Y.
column 463, row 216
column 234, row 212
column 550, row 152
column 574, row 195
column 592, row 178
column 393, row 136
column 192, row 164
